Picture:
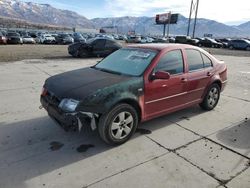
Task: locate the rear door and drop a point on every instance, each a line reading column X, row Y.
column 99, row 47
column 110, row 46
column 162, row 96
column 199, row 74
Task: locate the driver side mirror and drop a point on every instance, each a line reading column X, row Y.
column 160, row 75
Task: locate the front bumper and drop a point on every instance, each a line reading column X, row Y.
column 68, row 121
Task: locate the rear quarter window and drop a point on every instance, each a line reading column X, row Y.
column 207, row 61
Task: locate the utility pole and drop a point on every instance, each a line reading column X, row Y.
column 193, row 9
column 190, row 15
column 164, row 30
column 169, row 20
column 195, row 20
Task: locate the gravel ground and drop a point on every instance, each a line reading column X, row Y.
column 10, row 53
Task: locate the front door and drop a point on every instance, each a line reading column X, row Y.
column 162, row 96
column 99, row 47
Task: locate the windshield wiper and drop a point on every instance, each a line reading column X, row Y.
column 107, row 70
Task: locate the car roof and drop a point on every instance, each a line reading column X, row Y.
column 161, row 46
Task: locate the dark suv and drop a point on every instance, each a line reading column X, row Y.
column 239, row 44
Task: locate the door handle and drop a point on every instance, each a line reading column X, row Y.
column 209, row 73
column 184, row 80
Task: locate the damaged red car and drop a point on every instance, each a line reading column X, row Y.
column 132, row 85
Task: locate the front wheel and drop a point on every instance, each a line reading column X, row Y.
column 211, row 98
column 117, row 126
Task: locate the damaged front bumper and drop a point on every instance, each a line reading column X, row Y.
column 70, row 121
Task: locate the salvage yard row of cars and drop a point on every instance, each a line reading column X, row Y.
column 32, row 37
column 13, row 37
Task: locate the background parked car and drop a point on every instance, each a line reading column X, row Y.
column 14, row 38
column 186, row 40
column 64, row 39
column 210, row 43
column 47, row 39
column 78, row 37
column 147, row 40
column 133, row 39
column 28, row 40
column 224, row 41
column 3, row 39
column 99, row 47
column 239, row 44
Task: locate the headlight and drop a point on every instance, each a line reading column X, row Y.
column 68, row 105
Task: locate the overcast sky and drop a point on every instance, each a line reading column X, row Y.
column 225, row 11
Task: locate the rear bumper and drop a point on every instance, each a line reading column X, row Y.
column 223, row 85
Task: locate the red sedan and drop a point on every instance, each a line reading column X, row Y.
column 133, row 85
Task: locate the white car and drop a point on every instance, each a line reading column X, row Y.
column 147, row 40
column 28, row 40
column 47, row 39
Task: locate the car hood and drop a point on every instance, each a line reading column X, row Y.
column 80, row 83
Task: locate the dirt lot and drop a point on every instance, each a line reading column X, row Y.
column 11, row 53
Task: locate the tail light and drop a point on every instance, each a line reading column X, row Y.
column 44, row 92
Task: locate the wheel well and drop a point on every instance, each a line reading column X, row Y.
column 134, row 104
column 218, row 83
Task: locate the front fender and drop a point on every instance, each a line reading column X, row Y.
column 104, row 99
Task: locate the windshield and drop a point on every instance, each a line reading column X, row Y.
column 13, row 34
column 131, row 62
column 89, row 41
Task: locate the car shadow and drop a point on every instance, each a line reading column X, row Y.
column 236, row 137
column 25, row 145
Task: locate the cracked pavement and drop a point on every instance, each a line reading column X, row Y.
column 189, row 148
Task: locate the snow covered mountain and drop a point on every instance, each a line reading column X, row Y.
column 146, row 25
column 42, row 14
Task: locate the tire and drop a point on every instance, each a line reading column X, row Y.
column 248, row 48
column 82, row 53
column 211, row 98
column 75, row 54
column 231, row 47
column 112, row 126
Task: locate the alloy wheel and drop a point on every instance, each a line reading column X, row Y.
column 122, row 125
column 213, row 97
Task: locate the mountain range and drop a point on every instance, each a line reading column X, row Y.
column 46, row 14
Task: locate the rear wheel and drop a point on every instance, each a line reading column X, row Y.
column 76, row 53
column 117, row 126
column 212, row 97
column 83, row 53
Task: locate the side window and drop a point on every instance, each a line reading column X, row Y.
column 99, row 43
column 207, row 61
column 194, row 59
column 171, row 62
column 109, row 44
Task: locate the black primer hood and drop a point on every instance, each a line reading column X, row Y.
column 80, row 83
